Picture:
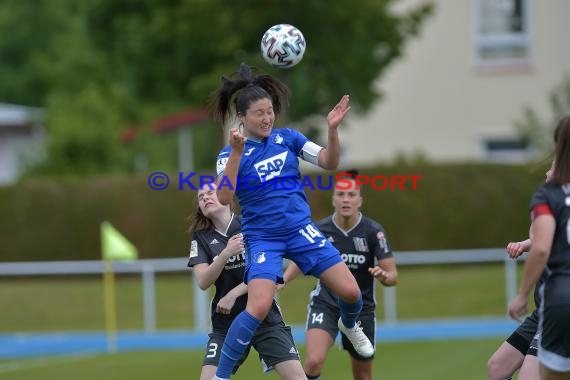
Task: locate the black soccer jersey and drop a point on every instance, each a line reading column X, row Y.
column 555, row 200
column 537, row 295
column 205, row 247
column 359, row 247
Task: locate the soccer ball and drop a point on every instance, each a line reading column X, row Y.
column 283, row 46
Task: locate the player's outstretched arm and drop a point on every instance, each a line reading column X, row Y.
column 207, row 274
column 329, row 156
column 228, row 181
column 543, row 228
column 517, row 248
column 291, row 273
column 227, row 302
column 385, row 272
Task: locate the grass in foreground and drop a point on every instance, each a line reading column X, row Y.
column 435, row 360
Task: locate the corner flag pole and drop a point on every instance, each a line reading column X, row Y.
column 110, row 309
column 114, row 246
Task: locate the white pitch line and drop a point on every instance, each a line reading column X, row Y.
column 23, row 364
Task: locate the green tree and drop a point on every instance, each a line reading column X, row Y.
column 145, row 58
column 177, row 50
column 539, row 131
column 83, row 135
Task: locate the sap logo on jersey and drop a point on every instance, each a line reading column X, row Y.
column 271, row 167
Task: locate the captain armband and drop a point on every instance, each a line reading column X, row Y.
column 310, row 152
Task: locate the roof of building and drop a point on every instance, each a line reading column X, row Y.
column 169, row 123
column 187, row 118
column 13, row 115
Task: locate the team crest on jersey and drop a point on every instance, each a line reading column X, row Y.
column 360, row 244
column 260, row 258
column 278, row 139
column 221, row 165
column 194, row 249
column 382, row 241
column 271, row 167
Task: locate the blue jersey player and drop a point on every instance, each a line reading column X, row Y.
column 259, row 166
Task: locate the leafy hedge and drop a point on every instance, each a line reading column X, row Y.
column 454, row 206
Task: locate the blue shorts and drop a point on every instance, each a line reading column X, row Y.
column 306, row 247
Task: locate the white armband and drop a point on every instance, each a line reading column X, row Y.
column 310, row 152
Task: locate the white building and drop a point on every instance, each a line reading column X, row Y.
column 21, row 139
column 461, row 84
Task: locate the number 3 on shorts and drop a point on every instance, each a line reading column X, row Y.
column 212, row 350
column 310, row 233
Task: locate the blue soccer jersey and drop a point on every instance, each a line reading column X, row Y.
column 269, row 188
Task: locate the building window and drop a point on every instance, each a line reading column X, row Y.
column 502, row 33
column 506, row 149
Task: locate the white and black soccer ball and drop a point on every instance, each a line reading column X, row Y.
column 283, row 46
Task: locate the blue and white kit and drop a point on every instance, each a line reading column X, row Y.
column 276, row 219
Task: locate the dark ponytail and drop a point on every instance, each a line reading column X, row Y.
column 245, row 87
column 561, row 174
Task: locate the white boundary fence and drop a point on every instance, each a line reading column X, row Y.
column 148, row 268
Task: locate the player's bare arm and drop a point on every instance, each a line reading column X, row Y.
column 207, row 274
column 329, row 156
column 226, row 190
column 385, row 272
column 228, row 301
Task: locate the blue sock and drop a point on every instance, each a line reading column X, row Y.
column 350, row 311
column 242, row 329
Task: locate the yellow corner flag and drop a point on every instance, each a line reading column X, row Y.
column 115, row 246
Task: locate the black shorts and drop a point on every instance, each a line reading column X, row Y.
column 274, row 345
column 533, row 348
column 523, row 336
column 554, row 350
column 326, row 318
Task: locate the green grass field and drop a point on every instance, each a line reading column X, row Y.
column 461, row 359
column 75, row 303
